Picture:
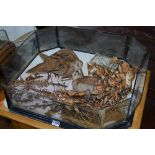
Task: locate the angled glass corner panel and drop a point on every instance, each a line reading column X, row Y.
column 139, row 85
column 136, row 53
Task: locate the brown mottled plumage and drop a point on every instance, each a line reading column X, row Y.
column 87, row 83
column 64, row 63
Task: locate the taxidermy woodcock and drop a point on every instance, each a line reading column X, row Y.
column 63, row 63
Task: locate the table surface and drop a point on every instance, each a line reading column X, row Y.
column 40, row 125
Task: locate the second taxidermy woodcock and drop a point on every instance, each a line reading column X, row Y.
column 63, row 63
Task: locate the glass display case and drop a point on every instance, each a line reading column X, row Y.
column 74, row 77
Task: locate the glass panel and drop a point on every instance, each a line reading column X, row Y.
column 139, row 85
column 91, row 41
column 3, row 35
column 47, row 38
column 136, row 53
column 19, row 59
